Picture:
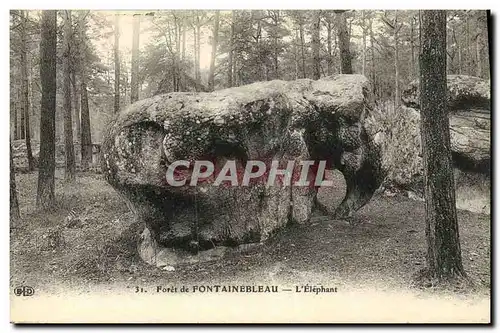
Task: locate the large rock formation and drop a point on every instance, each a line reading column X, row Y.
column 277, row 120
column 464, row 92
column 470, row 122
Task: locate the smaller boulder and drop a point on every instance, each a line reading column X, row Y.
column 464, row 92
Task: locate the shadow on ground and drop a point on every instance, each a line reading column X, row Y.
column 89, row 240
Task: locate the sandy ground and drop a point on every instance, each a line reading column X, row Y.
column 81, row 261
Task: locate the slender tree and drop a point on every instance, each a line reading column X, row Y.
column 444, row 258
column 25, row 103
column 14, row 103
column 316, row 45
column 275, row 16
column 468, row 55
column 14, row 203
column 76, row 100
column 489, row 42
column 479, row 68
column 176, row 52
column 69, row 149
column 412, row 46
column 329, row 28
column 363, row 28
column 22, row 120
column 397, row 27
column 117, row 63
column 230, row 54
column 48, row 51
column 183, row 32
column 215, row 39
column 459, row 47
column 372, row 52
column 182, row 62
column 296, row 53
column 343, row 34
column 134, row 78
column 86, row 138
column 302, row 46
column 197, row 33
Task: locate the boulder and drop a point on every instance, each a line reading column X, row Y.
column 398, row 136
column 470, row 139
column 470, row 120
column 464, row 92
column 266, row 121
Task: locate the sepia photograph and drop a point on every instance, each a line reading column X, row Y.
column 250, row 166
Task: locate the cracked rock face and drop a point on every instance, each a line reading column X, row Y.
column 277, row 120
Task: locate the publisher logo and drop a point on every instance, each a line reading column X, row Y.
column 24, row 291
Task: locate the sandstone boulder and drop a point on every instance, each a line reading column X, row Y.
column 463, row 92
column 398, row 134
column 470, row 120
column 265, row 121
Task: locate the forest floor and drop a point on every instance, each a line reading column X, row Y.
column 88, row 243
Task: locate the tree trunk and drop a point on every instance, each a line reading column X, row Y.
column 262, row 62
column 275, row 42
column 69, row 149
column 170, row 46
column 12, row 104
column 459, row 59
column 372, row 49
column 86, row 138
column 14, row 204
column 479, row 69
column 134, row 71
column 489, row 50
column 197, row 53
column 25, row 103
column 22, row 120
column 15, row 114
column 177, row 54
column 443, row 255
column 215, row 39
column 13, row 76
column 46, row 165
column 117, row 63
column 296, row 53
column 363, row 68
column 76, row 103
column 183, row 40
column 315, row 45
column 236, row 72
column 343, row 33
column 329, row 63
column 230, row 55
column 302, row 48
column 412, row 45
column 396, row 59
column 467, row 45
